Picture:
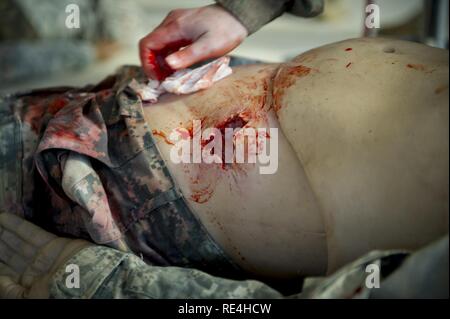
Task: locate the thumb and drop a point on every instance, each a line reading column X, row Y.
column 202, row 49
column 164, row 38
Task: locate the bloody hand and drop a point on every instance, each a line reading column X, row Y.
column 187, row 37
column 157, row 59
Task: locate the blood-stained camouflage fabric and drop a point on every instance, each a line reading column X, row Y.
column 83, row 163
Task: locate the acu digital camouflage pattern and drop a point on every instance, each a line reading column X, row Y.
column 106, row 273
column 83, row 163
column 254, row 14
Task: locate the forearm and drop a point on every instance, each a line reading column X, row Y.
column 254, row 14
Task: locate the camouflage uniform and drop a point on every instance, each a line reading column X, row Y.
column 254, row 14
column 83, row 163
column 106, row 273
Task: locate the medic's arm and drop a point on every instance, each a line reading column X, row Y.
column 254, row 14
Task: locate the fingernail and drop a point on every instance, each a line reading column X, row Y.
column 173, row 61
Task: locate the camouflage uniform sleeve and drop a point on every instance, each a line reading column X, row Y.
column 254, row 14
column 106, row 273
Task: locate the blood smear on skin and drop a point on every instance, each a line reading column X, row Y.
column 202, row 196
column 285, row 79
column 234, row 122
column 418, row 67
column 163, row 136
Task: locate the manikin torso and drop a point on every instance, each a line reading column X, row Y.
column 362, row 156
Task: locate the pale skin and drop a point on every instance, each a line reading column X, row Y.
column 363, row 157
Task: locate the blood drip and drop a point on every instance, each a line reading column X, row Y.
column 163, row 136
